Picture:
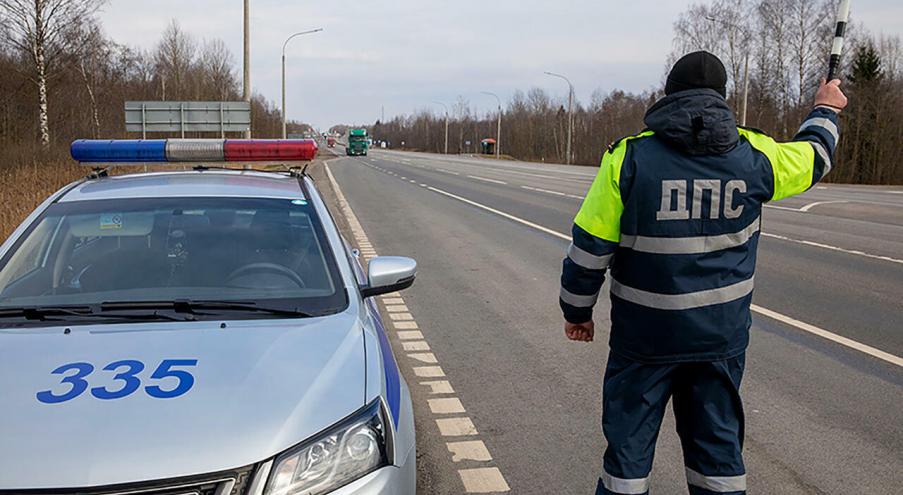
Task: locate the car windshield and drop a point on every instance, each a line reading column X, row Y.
column 266, row 252
column 358, row 139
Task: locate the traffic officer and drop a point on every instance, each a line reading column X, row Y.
column 675, row 213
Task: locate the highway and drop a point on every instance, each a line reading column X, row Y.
column 823, row 389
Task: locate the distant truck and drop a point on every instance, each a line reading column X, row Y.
column 358, row 142
column 330, row 142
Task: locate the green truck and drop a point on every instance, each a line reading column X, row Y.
column 358, row 142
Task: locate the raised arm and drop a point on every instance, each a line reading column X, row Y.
column 796, row 168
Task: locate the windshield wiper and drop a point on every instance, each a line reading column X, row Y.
column 193, row 307
column 61, row 313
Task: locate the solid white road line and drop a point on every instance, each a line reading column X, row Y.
column 776, row 207
column 501, row 213
column 819, row 203
column 833, row 248
column 556, row 193
column 487, row 180
column 852, row 344
column 871, row 351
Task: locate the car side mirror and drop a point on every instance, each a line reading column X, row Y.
column 387, row 274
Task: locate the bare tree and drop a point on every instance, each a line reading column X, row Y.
column 174, row 57
column 217, row 63
column 40, row 29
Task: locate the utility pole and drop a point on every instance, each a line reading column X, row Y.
column 498, row 129
column 446, row 123
column 246, row 85
column 284, row 117
column 744, row 102
column 570, row 112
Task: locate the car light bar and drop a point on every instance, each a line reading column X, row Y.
column 193, row 150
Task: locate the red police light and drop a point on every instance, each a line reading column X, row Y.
column 258, row 150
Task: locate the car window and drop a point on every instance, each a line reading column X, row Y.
column 233, row 249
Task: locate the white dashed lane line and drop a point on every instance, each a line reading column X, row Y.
column 484, row 179
column 464, row 445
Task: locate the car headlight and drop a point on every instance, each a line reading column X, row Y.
column 347, row 451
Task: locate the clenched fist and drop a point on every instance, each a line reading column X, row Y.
column 580, row 332
column 829, row 95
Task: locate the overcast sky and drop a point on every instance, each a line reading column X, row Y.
column 403, row 54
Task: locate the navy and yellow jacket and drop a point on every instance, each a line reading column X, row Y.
column 675, row 213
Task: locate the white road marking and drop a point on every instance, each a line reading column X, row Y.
column 414, row 346
column 871, row 351
column 501, row 213
column 483, row 480
column 439, row 387
column 424, row 357
column 831, row 336
column 446, row 405
column 448, row 171
column 397, row 308
column 776, row 207
column 405, row 325
column 818, row 203
column 488, row 180
column 469, row 450
column 410, row 335
column 833, row 248
column 429, row 371
column 556, row 193
column 401, row 317
column 393, row 300
column 456, row 427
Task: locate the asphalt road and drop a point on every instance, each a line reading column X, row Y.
column 823, row 389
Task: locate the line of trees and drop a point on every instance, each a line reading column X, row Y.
column 62, row 78
column 786, row 42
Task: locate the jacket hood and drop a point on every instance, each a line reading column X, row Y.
column 696, row 121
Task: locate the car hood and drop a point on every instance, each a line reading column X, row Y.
column 260, row 387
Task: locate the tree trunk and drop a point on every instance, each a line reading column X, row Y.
column 40, row 61
column 94, row 112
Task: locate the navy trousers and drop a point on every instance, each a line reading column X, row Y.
column 708, row 413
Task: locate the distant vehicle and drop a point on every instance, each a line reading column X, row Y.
column 330, row 142
column 358, row 142
column 202, row 331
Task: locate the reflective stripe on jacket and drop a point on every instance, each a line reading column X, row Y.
column 675, row 213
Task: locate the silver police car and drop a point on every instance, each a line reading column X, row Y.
column 202, row 332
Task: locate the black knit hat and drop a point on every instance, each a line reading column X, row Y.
column 697, row 70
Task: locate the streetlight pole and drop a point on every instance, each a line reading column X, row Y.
column 446, row 123
column 744, row 102
column 498, row 130
column 246, row 83
column 570, row 112
column 284, row 45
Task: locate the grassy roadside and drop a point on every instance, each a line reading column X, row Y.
column 24, row 186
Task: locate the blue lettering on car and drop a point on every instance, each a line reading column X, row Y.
column 127, row 373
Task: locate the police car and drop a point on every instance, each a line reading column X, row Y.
column 205, row 331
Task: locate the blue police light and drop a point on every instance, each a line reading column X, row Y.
column 126, row 150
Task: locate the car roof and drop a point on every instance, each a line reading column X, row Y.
column 193, row 183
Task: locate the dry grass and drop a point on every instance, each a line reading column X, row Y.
column 25, row 186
